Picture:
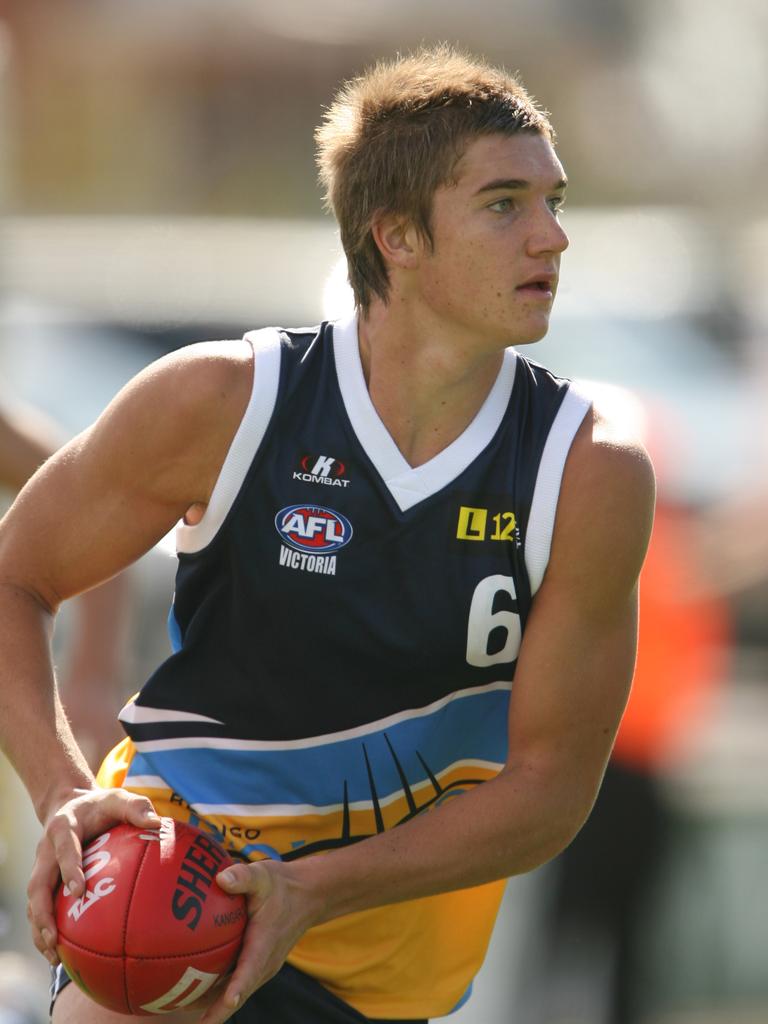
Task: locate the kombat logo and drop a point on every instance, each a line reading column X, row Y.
column 322, row 469
column 312, row 534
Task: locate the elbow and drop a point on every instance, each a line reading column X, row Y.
column 16, row 595
column 557, row 811
column 550, row 843
column 579, row 803
column 568, row 827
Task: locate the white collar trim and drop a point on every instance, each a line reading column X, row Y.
column 407, row 484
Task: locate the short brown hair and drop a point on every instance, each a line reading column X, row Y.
column 395, row 134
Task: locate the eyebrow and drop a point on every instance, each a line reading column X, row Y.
column 516, row 184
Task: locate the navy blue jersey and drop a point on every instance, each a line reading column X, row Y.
column 346, row 627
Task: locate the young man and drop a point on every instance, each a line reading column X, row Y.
column 385, row 521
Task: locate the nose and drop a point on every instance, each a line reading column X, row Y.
column 547, row 235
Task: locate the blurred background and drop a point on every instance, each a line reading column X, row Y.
column 157, row 187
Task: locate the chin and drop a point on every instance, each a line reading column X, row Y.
column 531, row 334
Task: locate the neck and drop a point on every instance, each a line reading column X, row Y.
column 427, row 381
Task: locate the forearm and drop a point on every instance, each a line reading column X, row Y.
column 504, row 827
column 34, row 733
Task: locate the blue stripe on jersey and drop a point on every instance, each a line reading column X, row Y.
column 473, row 728
column 174, row 631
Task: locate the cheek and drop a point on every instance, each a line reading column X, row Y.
column 469, row 277
column 465, row 273
column 458, row 288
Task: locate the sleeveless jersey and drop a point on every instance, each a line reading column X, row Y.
column 345, row 632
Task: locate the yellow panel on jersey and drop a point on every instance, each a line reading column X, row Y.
column 416, row 958
column 413, row 959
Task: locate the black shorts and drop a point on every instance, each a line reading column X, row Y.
column 291, row 997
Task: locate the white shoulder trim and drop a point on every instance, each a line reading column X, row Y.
column 265, row 345
column 541, row 522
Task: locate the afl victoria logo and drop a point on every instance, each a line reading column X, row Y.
column 313, row 529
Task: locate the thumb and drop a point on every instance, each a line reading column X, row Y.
column 142, row 814
column 254, row 879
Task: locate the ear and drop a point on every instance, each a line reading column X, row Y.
column 397, row 240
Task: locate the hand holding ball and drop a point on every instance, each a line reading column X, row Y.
column 153, row 932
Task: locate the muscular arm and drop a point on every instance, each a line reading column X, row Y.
column 571, row 685
column 93, row 508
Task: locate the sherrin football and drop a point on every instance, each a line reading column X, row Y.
column 153, row 931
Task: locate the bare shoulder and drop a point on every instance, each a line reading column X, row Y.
column 179, row 414
column 154, row 453
column 206, row 379
column 607, row 498
column 609, row 449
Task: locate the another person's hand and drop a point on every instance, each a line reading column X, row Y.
column 86, row 814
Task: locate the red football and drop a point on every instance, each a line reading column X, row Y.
column 153, row 931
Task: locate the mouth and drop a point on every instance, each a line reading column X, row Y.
column 542, row 287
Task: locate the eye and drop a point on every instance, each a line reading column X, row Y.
column 502, row 205
column 556, row 203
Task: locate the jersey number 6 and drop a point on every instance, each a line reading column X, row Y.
column 483, row 621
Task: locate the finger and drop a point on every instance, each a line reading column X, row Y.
column 221, row 1010
column 60, row 853
column 138, row 810
column 66, row 833
column 43, row 879
column 256, row 964
column 63, row 834
column 43, row 941
column 114, row 806
column 253, row 879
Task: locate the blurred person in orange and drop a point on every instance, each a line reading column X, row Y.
column 382, row 522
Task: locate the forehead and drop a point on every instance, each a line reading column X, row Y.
column 524, row 156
